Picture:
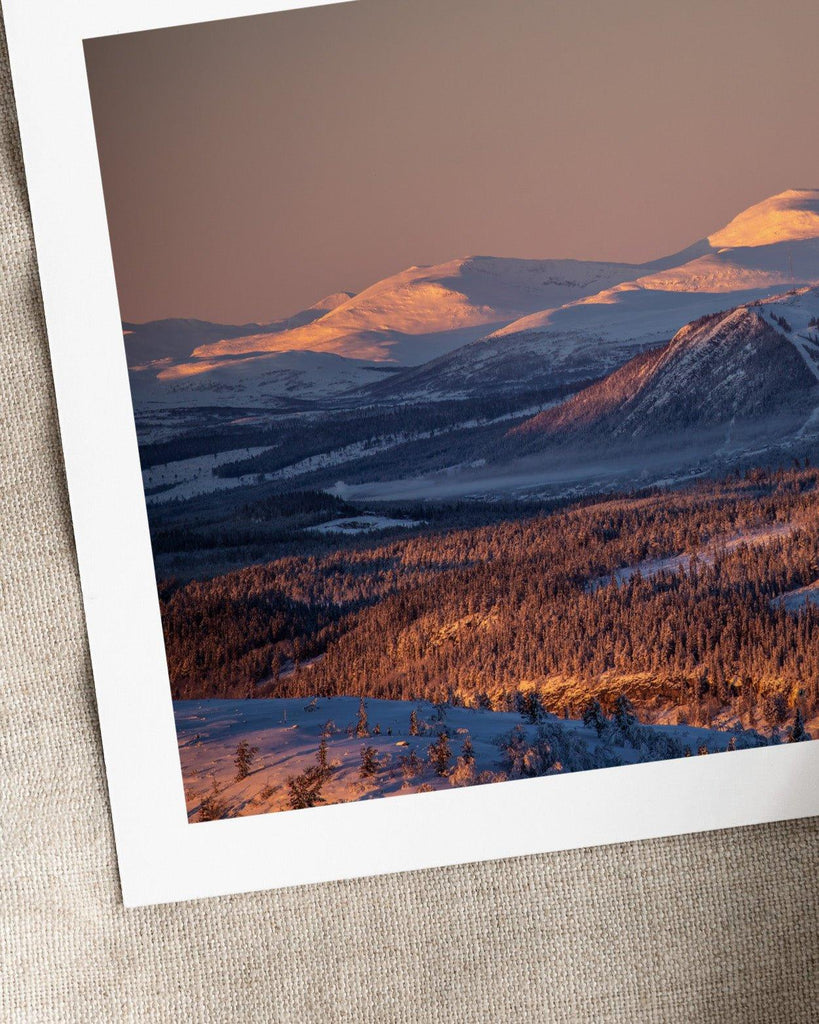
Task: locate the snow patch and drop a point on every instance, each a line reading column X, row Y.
column 187, row 478
column 367, row 523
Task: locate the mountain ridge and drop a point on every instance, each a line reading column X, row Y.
column 174, row 339
column 735, row 365
column 423, row 311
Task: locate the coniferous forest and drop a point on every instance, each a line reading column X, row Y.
column 687, row 601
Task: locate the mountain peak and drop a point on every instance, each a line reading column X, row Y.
column 786, row 217
column 729, row 366
column 332, row 301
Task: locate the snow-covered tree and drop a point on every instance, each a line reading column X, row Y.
column 414, row 723
column 305, row 789
column 624, row 713
column 593, row 717
column 463, row 774
column 361, row 726
column 369, row 762
column 554, row 749
column 440, row 754
column 513, row 747
column 529, row 706
column 411, row 766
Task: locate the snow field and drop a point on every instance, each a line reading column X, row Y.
column 288, row 731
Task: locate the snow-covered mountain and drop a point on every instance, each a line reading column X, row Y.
column 767, row 249
column 251, row 381
column 423, row 312
column 165, row 342
column 164, row 372
column 755, row 364
column 789, row 216
column 732, row 389
column 482, row 324
column 406, row 319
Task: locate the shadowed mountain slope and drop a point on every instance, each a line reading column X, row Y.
column 721, row 368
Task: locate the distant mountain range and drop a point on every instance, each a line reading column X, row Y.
column 162, row 342
column 482, row 325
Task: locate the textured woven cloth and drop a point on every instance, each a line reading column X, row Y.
column 716, row 927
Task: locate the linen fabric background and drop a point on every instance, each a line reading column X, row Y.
column 715, row 927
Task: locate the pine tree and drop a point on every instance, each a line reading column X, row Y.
column 798, row 730
column 245, row 756
column 624, row 713
column 440, row 754
column 414, row 723
column 361, row 727
column 468, row 751
column 305, row 789
column 593, row 717
column 411, row 765
column 369, row 762
column 321, row 756
column 529, row 706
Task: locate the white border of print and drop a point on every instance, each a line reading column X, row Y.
column 161, row 857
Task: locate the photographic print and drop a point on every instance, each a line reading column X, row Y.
column 475, row 376
column 478, row 438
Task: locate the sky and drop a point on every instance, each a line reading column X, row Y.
column 253, row 165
